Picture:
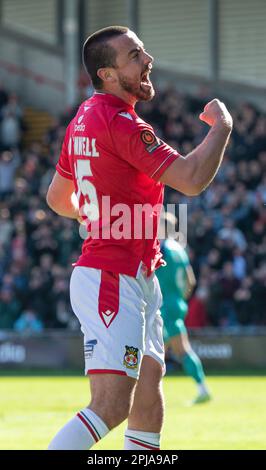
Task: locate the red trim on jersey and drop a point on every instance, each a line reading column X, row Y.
column 105, row 371
column 88, row 427
column 144, row 445
column 108, row 304
column 63, row 173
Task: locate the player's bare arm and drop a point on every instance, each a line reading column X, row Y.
column 61, row 197
column 191, row 281
column 193, row 173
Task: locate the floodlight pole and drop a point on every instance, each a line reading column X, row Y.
column 214, row 40
column 132, row 14
column 71, row 44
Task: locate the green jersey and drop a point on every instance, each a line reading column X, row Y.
column 173, row 281
column 173, row 277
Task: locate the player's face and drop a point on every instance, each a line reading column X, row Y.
column 133, row 66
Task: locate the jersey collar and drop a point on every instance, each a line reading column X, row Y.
column 111, row 100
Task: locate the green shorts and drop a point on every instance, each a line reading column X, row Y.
column 173, row 314
column 172, row 329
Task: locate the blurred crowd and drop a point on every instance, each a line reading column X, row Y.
column 226, row 224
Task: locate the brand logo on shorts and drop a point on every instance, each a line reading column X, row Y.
column 131, row 357
column 108, row 316
column 89, row 348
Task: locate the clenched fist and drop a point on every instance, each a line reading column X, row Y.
column 215, row 112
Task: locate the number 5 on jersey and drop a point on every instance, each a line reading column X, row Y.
column 86, row 188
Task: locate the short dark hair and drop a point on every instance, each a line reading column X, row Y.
column 97, row 53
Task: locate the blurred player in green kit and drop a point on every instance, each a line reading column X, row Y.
column 177, row 281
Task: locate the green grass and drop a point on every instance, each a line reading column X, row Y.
column 32, row 409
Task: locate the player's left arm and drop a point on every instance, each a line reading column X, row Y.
column 61, row 197
column 191, row 280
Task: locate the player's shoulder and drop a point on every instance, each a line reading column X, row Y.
column 176, row 249
column 78, row 115
column 171, row 245
column 128, row 119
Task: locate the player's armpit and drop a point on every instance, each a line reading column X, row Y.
column 180, row 176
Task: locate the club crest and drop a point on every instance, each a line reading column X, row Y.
column 131, row 357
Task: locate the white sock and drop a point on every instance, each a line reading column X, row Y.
column 140, row 440
column 80, row 433
column 202, row 388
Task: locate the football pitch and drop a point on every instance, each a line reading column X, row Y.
column 32, row 409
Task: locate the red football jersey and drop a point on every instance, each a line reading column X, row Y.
column 115, row 161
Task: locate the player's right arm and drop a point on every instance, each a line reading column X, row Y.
column 61, row 197
column 191, row 281
column 192, row 174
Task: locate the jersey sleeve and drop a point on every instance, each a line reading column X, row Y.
column 136, row 142
column 63, row 166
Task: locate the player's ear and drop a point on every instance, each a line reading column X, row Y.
column 106, row 74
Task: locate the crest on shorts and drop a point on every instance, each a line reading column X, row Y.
column 131, row 357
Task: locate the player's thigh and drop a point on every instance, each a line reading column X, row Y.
column 112, row 390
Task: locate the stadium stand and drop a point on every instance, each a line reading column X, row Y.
column 226, row 224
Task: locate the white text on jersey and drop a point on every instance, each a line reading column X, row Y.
column 85, row 147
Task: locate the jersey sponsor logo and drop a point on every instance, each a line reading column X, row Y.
column 80, row 127
column 85, row 146
column 89, row 348
column 131, row 357
column 150, row 140
column 108, row 316
column 126, row 115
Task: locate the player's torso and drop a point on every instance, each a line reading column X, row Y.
column 97, row 164
column 173, row 278
column 108, row 187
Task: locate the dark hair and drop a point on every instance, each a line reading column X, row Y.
column 97, row 53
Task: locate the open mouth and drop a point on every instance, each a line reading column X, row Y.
column 145, row 76
column 145, row 79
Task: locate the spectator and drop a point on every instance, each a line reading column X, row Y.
column 28, row 322
column 226, row 224
column 9, row 308
column 9, row 162
column 197, row 316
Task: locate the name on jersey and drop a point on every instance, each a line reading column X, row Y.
column 83, row 146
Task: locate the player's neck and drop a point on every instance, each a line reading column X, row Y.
column 123, row 95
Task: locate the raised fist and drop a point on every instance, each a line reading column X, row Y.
column 215, row 112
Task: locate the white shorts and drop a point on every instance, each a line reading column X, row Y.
column 120, row 320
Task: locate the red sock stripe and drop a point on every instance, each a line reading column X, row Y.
column 144, row 445
column 88, row 427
